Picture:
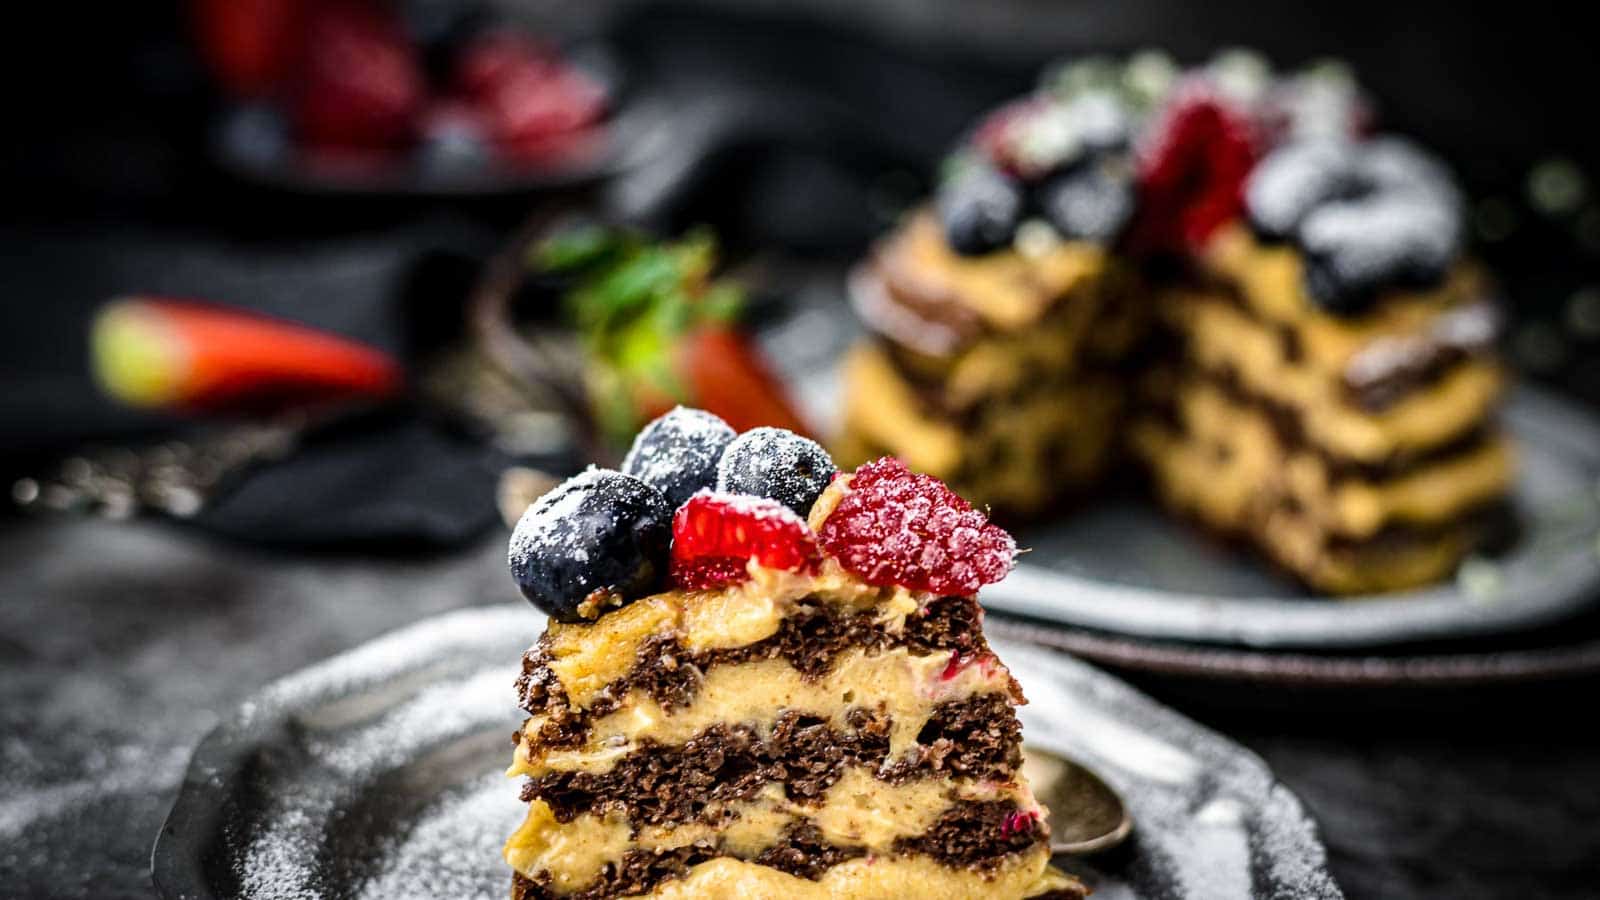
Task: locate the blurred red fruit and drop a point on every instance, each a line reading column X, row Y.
column 728, row 376
column 535, row 104
column 249, row 44
column 362, row 86
column 1192, row 170
column 187, row 355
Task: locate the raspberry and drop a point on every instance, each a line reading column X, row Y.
column 895, row 527
column 1192, row 170
column 1019, row 822
column 715, row 536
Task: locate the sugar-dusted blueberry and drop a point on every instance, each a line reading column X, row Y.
column 595, row 542
column 1355, row 249
column 1296, row 179
column 777, row 464
column 678, row 453
column 979, row 208
column 1091, row 202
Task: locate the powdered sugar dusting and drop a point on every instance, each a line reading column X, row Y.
column 896, row 527
column 678, row 452
column 777, row 464
column 1367, row 215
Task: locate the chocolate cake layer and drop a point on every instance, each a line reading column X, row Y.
column 976, row 835
column 977, row 737
column 811, row 639
column 1390, row 367
column 1288, row 424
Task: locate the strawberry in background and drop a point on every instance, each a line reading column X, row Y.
column 533, row 102
column 250, row 45
column 658, row 331
column 355, row 82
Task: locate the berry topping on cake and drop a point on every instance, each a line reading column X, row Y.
column 716, row 536
column 1365, row 216
column 677, row 453
column 895, row 527
column 597, row 541
column 777, row 464
column 1354, row 249
column 1294, row 180
column 1192, row 169
column 980, row 207
column 1092, row 202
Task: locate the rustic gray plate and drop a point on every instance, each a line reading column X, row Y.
column 379, row 774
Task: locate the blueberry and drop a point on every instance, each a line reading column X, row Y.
column 980, row 208
column 677, row 454
column 1092, row 202
column 1395, row 164
column 597, row 541
column 777, row 464
column 1355, row 249
column 1296, row 179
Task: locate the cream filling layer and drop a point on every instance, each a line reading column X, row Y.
column 858, row 811
column 586, row 658
column 1027, row 875
column 1220, row 338
column 1255, row 465
column 1062, row 434
column 1223, row 494
column 904, row 686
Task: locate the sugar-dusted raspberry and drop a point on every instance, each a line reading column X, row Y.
column 715, row 537
column 895, row 527
column 1192, row 167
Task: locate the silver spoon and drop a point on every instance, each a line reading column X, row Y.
column 1086, row 815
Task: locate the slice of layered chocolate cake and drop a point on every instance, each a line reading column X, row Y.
column 1333, row 395
column 780, row 688
column 1220, row 272
column 993, row 373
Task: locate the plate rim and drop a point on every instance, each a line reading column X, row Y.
column 188, row 833
column 1433, row 613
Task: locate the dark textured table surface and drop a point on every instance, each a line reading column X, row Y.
column 121, row 644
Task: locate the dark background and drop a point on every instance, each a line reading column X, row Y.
column 119, row 644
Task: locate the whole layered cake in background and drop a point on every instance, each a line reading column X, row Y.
column 764, row 678
column 1220, row 274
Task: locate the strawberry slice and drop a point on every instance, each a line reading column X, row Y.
column 726, row 374
column 191, row 356
column 716, row 536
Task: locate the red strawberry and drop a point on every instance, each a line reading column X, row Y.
column 716, row 536
column 249, row 44
column 1192, row 170
column 895, row 527
column 194, row 356
column 727, row 375
column 363, row 86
